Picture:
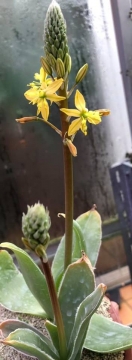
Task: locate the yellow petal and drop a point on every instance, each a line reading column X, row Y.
column 37, row 76
column 38, row 111
column 79, row 101
column 55, row 97
column 31, row 95
column 70, row 112
column 31, row 84
column 42, row 75
column 39, row 105
column 45, row 110
column 94, row 117
column 52, row 88
column 48, row 81
column 84, row 126
column 74, row 126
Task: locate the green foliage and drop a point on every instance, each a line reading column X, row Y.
column 106, row 336
column 34, row 278
column 9, row 326
column 72, row 293
column 83, row 315
column 77, row 246
column 30, row 343
column 12, row 283
column 90, row 224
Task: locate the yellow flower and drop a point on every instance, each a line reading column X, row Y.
column 41, row 78
column 43, row 90
column 83, row 115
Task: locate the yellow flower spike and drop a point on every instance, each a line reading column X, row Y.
column 83, row 115
column 42, row 91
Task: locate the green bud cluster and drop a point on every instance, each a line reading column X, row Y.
column 55, row 41
column 35, row 226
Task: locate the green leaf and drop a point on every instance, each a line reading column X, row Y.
column 9, row 326
column 77, row 283
column 14, row 293
column 106, row 336
column 58, row 262
column 33, row 276
column 31, row 344
column 83, row 316
column 52, row 329
column 90, row 224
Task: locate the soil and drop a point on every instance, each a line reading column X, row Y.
column 8, row 353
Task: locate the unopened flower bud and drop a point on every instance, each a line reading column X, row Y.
column 52, row 61
column 60, row 69
column 35, row 226
column 60, row 54
column 55, row 38
column 54, row 51
column 46, row 66
column 81, row 73
column 26, row 119
column 67, row 63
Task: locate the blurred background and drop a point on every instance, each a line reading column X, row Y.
column 31, row 167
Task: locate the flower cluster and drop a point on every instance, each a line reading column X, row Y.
column 41, row 90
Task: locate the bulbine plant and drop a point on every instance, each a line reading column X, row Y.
column 65, row 294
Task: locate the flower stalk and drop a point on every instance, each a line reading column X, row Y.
column 68, row 183
column 56, row 308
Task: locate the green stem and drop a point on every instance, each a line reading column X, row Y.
column 56, row 308
column 68, row 183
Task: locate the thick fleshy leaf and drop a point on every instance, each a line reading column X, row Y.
column 14, row 293
column 30, row 343
column 58, row 262
column 90, row 224
column 77, row 283
column 33, row 276
column 83, row 316
column 105, row 335
column 52, row 329
column 9, row 326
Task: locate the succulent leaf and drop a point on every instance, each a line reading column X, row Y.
column 52, row 329
column 83, row 315
column 31, row 344
column 9, row 326
column 10, row 280
column 77, row 283
column 90, row 224
column 33, row 276
column 58, row 262
column 107, row 336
